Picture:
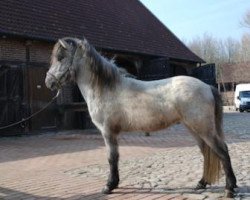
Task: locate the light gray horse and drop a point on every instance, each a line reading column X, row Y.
column 117, row 103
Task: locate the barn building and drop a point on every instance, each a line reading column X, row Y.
column 125, row 30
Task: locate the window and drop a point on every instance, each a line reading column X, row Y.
column 245, row 94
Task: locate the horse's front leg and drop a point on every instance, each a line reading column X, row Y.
column 113, row 158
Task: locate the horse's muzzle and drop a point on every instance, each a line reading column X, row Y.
column 51, row 83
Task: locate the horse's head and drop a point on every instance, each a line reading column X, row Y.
column 63, row 59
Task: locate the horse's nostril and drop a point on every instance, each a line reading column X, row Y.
column 53, row 84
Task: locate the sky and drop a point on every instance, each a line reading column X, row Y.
column 189, row 19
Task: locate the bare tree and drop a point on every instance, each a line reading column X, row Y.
column 246, row 20
column 209, row 48
column 245, row 48
column 196, row 46
column 222, row 52
column 233, row 50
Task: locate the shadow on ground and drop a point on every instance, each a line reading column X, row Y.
column 10, row 194
column 242, row 192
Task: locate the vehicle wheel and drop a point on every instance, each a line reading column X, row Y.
column 241, row 110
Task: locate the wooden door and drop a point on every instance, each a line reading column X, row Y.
column 39, row 96
column 11, row 109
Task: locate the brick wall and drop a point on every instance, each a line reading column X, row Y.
column 40, row 51
column 15, row 50
column 12, row 50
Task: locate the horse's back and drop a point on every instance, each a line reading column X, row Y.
column 188, row 88
column 178, row 88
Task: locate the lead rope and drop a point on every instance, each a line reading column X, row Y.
column 34, row 114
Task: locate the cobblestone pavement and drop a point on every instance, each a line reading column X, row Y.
column 73, row 165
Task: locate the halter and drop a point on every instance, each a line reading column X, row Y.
column 58, row 80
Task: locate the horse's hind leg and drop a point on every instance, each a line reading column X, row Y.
column 113, row 158
column 202, row 145
column 214, row 150
column 202, row 183
column 220, row 148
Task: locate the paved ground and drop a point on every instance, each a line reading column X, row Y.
column 73, row 165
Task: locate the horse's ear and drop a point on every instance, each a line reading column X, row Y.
column 83, row 44
column 63, row 43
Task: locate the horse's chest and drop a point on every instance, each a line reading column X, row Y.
column 96, row 114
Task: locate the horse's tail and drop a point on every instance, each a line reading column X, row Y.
column 218, row 112
column 212, row 165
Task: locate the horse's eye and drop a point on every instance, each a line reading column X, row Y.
column 60, row 56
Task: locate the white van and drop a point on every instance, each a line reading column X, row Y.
column 242, row 97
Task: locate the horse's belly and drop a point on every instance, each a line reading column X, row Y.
column 142, row 120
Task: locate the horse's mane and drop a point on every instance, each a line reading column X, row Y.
column 104, row 73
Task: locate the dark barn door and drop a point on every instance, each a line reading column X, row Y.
column 155, row 69
column 206, row 73
column 39, row 96
column 11, row 94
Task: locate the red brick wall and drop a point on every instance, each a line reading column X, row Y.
column 15, row 50
column 40, row 52
column 12, row 50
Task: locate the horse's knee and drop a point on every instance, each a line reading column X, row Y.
column 113, row 156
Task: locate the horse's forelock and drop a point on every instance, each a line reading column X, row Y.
column 58, row 47
column 72, row 42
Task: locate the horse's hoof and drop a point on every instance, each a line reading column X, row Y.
column 229, row 194
column 200, row 186
column 106, row 190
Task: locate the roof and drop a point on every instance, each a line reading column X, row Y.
column 109, row 24
column 237, row 72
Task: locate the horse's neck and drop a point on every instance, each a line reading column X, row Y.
column 83, row 80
